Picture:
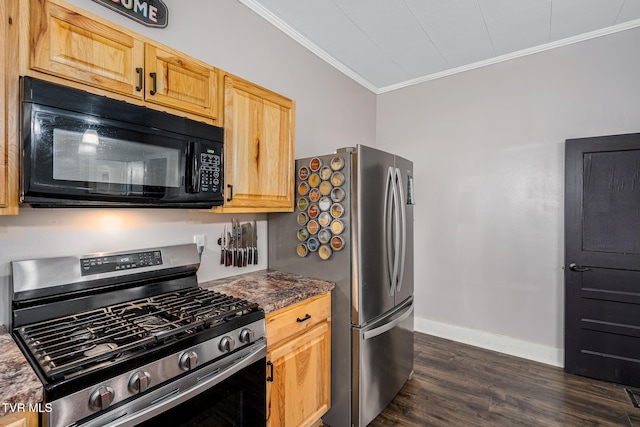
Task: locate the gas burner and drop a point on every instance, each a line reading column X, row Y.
column 100, row 349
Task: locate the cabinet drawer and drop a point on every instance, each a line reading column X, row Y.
column 289, row 321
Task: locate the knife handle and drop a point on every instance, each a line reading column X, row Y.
column 255, row 256
column 229, row 255
column 222, row 255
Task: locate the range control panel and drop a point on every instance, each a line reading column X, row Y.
column 107, row 264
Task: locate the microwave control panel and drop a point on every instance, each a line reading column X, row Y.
column 209, row 171
column 110, row 263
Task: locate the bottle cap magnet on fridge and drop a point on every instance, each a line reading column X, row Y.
column 302, row 250
column 325, row 188
column 324, row 219
column 302, row 218
column 303, row 188
column 303, row 204
column 325, row 203
column 315, row 164
column 312, row 226
column 303, row 173
column 314, row 195
column 325, row 252
column 324, row 235
column 314, row 180
column 337, row 163
column 325, row 173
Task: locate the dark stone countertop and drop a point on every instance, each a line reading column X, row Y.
column 18, row 382
column 271, row 289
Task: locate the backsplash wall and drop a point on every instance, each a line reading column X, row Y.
column 42, row 233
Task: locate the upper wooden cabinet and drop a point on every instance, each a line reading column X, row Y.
column 81, row 48
column 176, row 81
column 4, row 48
column 9, row 99
column 259, row 148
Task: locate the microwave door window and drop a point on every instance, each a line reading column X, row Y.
column 107, row 165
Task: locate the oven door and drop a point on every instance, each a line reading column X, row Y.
column 228, row 393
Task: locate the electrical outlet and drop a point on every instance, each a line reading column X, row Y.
column 199, row 240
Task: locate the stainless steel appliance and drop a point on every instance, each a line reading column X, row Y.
column 126, row 338
column 353, row 225
column 81, row 149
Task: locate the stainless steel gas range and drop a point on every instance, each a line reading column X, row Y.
column 128, row 338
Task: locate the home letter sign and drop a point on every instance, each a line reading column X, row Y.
column 152, row 13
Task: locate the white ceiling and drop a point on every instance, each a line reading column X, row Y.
column 388, row 44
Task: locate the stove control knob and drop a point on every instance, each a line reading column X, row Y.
column 188, row 360
column 101, row 398
column 226, row 344
column 246, row 335
column 139, row 382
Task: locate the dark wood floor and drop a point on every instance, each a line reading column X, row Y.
column 459, row 385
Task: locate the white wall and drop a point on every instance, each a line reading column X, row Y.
column 488, row 147
column 332, row 111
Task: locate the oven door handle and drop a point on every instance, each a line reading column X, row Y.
column 168, row 397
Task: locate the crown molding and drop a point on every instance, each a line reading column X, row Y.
column 325, row 56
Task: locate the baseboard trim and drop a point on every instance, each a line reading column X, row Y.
column 500, row 343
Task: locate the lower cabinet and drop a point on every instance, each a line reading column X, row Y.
column 20, row 419
column 299, row 363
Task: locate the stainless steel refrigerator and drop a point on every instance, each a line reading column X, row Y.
column 353, row 225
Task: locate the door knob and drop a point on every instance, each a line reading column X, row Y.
column 574, row 267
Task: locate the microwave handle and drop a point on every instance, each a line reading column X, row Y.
column 193, row 167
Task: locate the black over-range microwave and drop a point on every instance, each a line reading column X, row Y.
column 80, row 149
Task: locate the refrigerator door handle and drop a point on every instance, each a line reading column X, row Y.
column 389, row 200
column 403, row 225
column 390, row 325
column 396, row 231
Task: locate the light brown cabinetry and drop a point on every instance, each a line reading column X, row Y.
column 20, row 419
column 9, row 152
column 64, row 44
column 4, row 47
column 299, row 363
column 88, row 50
column 259, row 148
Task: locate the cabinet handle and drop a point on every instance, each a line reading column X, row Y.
column 230, row 198
column 270, row 377
column 304, row 319
column 153, row 83
column 139, row 72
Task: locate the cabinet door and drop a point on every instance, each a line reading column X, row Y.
column 300, row 392
column 4, row 48
column 19, row 419
column 9, row 107
column 174, row 80
column 69, row 45
column 259, row 145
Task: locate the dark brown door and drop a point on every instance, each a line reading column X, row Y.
column 602, row 258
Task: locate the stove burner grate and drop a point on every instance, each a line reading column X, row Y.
column 74, row 343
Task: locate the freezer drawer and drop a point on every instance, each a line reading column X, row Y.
column 382, row 362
